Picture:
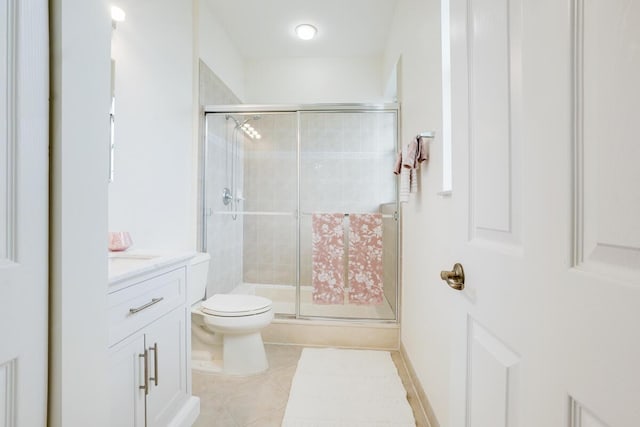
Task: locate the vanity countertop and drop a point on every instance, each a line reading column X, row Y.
column 127, row 265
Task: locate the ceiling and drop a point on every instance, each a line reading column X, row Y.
column 346, row 28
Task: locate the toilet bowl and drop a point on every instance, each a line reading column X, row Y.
column 239, row 319
column 233, row 320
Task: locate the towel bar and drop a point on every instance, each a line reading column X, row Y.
column 346, row 214
column 429, row 134
column 281, row 213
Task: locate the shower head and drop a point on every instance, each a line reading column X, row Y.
column 238, row 122
column 254, row 117
column 245, row 126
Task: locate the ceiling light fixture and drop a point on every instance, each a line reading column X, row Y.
column 306, row 31
column 117, row 15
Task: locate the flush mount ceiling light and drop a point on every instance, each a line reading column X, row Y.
column 117, row 14
column 306, row 31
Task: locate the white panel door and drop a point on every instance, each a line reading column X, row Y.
column 24, row 186
column 546, row 99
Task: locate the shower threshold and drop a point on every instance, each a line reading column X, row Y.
column 333, row 333
column 284, row 305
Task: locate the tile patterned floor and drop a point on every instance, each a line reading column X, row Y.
column 260, row 400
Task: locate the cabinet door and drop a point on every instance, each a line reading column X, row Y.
column 166, row 344
column 126, row 375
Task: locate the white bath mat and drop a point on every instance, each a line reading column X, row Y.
column 347, row 388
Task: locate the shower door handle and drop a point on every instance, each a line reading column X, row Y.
column 454, row 278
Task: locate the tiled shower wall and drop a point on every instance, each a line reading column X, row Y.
column 224, row 235
column 346, row 164
column 270, row 177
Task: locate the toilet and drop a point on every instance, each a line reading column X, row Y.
column 232, row 321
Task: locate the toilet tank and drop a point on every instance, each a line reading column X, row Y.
column 198, row 280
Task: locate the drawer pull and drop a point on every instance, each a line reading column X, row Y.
column 155, row 363
column 147, row 305
column 144, row 356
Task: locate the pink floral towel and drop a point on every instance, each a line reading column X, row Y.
column 365, row 259
column 328, row 258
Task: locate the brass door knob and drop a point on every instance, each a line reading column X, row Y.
column 454, row 278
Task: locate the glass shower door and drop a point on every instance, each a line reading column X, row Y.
column 270, row 203
column 270, row 199
column 251, row 201
column 348, row 214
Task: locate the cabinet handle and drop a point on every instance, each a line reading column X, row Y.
column 155, row 363
column 145, row 387
column 147, row 305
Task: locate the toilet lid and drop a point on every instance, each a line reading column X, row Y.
column 232, row 305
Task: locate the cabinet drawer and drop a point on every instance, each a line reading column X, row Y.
column 134, row 307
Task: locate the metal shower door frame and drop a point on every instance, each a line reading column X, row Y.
column 298, row 109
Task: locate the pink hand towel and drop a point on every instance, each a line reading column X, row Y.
column 413, row 179
column 409, row 161
column 398, row 165
column 405, row 185
column 423, row 149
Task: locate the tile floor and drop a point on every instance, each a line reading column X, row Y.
column 260, row 400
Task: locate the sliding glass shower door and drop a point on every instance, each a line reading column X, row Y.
column 270, row 175
column 348, row 207
column 270, row 203
column 251, row 203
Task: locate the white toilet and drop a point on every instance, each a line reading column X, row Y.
column 238, row 319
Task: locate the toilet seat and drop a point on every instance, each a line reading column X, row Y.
column 235, row 305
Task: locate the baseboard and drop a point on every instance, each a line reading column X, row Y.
column 430, row 419
column 187, row 414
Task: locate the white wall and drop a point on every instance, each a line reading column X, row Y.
column 415, row 40
column 80, row 32
column 313, row 80
column 218, row 51
column 153, row 194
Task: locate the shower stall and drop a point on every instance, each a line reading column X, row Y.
column 272, row 176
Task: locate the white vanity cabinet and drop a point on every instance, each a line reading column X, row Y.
column 126, row 374
column 149, row 350
column 165, row 341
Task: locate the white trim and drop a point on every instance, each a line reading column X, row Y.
column 8, row 139
column 578, row 142
column 8, row 394
column 589, row 254
column 187, row 414
column 447, row 149
column 503, row 356
column 578, row 414
column 509, row 234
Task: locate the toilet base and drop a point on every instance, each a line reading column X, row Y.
column 243, row 354
column 240, row 338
